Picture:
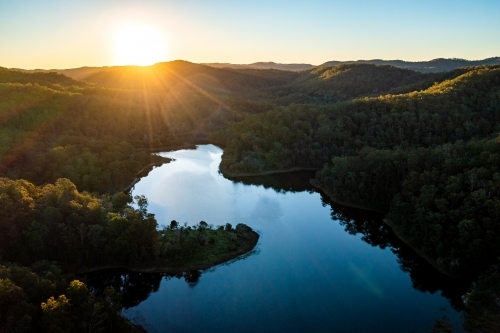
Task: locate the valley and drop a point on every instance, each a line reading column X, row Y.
column 421, row 147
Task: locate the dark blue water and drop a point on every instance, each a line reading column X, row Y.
column 318, row 267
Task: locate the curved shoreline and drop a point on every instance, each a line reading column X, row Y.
column 315, row 184
column 185, row 145
column 394, row 229
column 264, row 173
column 155, row 268
column 147, row 168
column 151, row 166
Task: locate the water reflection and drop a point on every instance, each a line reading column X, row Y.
column 136, row 287
column 267, row 208
column 281, row 182
column 375, row 232
column 313, row 258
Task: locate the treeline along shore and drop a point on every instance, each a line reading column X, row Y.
column 428, row 159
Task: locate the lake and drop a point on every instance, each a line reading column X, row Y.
column 318, row 266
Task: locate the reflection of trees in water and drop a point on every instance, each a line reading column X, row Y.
column 355, row 221
column 375, row 232
column 136, row 287
column 426, row 278
column 297, row 181
column 191, row 277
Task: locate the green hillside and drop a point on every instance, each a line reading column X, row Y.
column 309, row 135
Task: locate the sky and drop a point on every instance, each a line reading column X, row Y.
column 58, row 34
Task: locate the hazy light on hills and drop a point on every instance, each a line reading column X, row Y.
column 67, row 35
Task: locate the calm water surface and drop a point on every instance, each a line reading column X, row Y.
column 318, row 267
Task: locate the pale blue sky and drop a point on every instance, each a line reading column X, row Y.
column 72, row 33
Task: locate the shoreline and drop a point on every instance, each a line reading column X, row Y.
column 264, row 173
column 157, row 267
column 180, row 146
column 233, row 175
column 431, row 261
column 394, row 229
column 152, row 165
column 344, row 203
column 148, row 168
column 154, row 268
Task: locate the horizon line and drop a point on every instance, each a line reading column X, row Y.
column 248, row 64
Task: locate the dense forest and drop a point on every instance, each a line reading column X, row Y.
column 54, row 229
column 429, row 159
column 308, row 135
column 67, row 151
column 422, row 148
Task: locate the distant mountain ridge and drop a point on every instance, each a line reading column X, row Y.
column 74, row 73
column 251, row 89
column 431, row 66
column 263, row 65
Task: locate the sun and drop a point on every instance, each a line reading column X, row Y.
column 136, row 44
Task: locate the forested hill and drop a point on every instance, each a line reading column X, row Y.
column 429, row 159
column 53, row 126
column 309, row 135
column 68, row 150
column 432, row 66
column 196, row 98
column 327, row 84
column 41, row 78
column 251, row 90
column 320, row 85
column 164, row 75
column 99, row 138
